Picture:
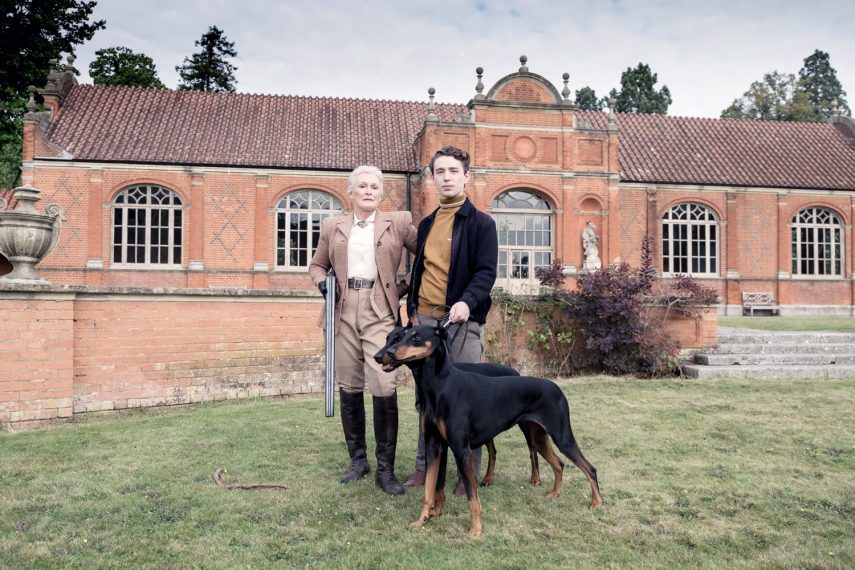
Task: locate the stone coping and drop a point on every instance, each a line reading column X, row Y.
column 7, row 286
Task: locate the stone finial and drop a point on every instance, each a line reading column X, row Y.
column 835, row 111
column 523, row 60
column 479, row 87
column 431, row 116
column 70, row 64
column 31, row 102
column 565, row 93
column 612, row 116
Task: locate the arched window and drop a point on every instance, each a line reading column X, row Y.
column 524, row 225
column 147, row 227
column 817, row 235
column 298, row 225
column 690, row 240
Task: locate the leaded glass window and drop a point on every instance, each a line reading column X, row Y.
column 298, row 225
column 817, row 243
column 524, row 222
column 147, row 226
column 690, row 240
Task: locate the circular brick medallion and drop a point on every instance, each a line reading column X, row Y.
column 524, row 148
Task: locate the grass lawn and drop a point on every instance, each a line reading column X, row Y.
column 833, row 324
column 713, row 474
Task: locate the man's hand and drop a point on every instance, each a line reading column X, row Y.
column 459, row 312
column 322, row 287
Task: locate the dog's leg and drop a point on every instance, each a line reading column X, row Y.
column 568, row 446
column 433, row 459
column 491, row 464
column 439, row 498
column 525, row 428
column 540, row 440
column 463, row 457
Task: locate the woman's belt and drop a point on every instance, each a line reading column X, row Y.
column 359, row 283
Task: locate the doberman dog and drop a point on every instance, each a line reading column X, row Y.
column 463, row 410
column 502, row 370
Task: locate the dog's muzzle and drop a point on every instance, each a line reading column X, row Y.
column 386, row 358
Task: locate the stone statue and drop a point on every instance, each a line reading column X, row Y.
column 589, row 244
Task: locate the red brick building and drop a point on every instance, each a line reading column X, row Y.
column 191, row 189
column 181, row 270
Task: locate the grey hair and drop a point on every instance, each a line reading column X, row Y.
column 351, row 181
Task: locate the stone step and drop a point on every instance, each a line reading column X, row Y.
column 755, row 337
column 781, row 348
column 762, row 372
column 774, row 359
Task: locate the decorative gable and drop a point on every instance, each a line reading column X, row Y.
column 523, row 90
column 524, row 87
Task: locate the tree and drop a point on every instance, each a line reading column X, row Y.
column 121, row 66
column 10, row 142
column 209, row 70
column 775, row 98
column 586, row 99
column 818, row 80
column 638, row 93
column 33, row 32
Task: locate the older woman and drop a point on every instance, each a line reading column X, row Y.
column 365, row 249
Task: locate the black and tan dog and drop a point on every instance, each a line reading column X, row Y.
column 501, row 370
column 463, row 410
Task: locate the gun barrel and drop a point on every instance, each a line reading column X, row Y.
column 329, row 380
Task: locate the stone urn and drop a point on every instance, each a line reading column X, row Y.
column 26, row 235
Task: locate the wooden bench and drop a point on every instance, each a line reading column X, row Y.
column 761, row 301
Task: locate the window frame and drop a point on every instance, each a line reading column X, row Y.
column 122, row 209
column 835, row 231
column 699, row 227
column 287, row 210
column 511, row 252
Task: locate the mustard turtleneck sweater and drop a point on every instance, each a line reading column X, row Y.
column 437, row 252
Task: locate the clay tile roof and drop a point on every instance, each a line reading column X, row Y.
column 123, row 124
column 661, row 149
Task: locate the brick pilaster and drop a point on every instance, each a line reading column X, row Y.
column 196, row 241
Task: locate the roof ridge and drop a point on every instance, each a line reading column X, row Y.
column 91, row 87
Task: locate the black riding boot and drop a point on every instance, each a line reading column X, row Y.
column 353, row 422
column 386, row 434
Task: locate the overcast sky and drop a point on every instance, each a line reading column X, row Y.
column 706, row 52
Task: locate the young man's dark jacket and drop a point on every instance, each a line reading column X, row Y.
column 474, row 254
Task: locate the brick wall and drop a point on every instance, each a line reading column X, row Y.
column 37, row 357
column 507, row 341
column 228, row 226
column 79, row 349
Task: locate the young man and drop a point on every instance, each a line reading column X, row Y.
column 454, row 271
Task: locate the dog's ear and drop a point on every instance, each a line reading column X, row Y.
column 441, row 331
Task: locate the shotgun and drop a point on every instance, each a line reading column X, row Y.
column 329, row 313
